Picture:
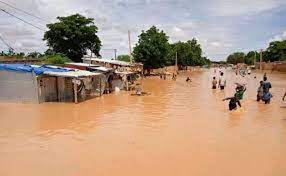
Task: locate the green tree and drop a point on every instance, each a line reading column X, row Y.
column 73, row 36
column 152, row 48
column 188, row 53
column 276, row 51
column 34, row 54
column 56, row 59
column 250, row 56
column 235, row 58
column 125, row 58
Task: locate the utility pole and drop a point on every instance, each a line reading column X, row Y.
column 115, row 50
column 90, row 57
column 260, row 64
column 176, row 62
column 254, row 59
column 129, row 42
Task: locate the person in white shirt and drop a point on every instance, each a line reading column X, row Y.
column 222, row 81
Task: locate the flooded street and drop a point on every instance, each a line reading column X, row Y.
column 181, row 129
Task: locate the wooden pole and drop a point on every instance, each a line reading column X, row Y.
column 75, row 92
column 115, row 50
column 260, row 64
column 254, row 59
column 90, row 57
column 129, row 41
column 176, row 63
column 100, row 86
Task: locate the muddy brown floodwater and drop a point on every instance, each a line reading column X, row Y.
column 180, row 129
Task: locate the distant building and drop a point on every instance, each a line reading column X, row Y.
column 33, row 83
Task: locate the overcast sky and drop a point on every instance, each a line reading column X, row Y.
column 221, row 26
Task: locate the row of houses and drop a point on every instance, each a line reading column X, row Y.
column 74, row 82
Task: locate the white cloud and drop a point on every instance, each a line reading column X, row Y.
column 181, row 20
column 279, row 37
column 243, row 7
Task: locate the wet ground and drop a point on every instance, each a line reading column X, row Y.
column 180, row 129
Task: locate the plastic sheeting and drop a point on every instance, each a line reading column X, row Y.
column 38, row 70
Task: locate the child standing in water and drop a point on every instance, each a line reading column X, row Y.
column 214, row 83
column 260, row 91
column 222, row 81
column 233, row 101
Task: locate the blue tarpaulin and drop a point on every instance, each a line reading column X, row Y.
column 38, row 70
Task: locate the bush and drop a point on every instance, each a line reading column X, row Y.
column 57, row 59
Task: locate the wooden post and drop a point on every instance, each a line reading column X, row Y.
column 126, row 83
column 176, row 63
column 260, row 63
column 75, row 92
column 100, row 86
column 129, row 42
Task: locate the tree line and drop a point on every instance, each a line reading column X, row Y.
column 73, row 36
column 276, row 51
column 154, row 51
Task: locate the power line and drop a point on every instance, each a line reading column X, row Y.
column 27, row 13
column 21, row 19
column 5, row 43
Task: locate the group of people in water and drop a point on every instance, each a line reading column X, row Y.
column 263, row 91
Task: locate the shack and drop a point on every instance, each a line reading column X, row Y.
column 114, row 80
column 107, row 72
column 35, row 83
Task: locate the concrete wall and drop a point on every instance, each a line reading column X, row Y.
column 27, row 60
column 275, row 66
column 18, row 87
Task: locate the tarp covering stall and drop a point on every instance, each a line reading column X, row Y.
column 49, row 83
column 38, row 70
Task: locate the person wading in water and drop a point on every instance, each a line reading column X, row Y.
column 266, row 94
column 260, row 91
column 222, row 81
column 233, row 101
column 214, row 83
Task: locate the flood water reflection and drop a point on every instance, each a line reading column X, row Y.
column 180, row 129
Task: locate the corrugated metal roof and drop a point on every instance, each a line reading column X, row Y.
column 103, row 69
column 73, row 74
column 82, row 64
column 116, row 62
